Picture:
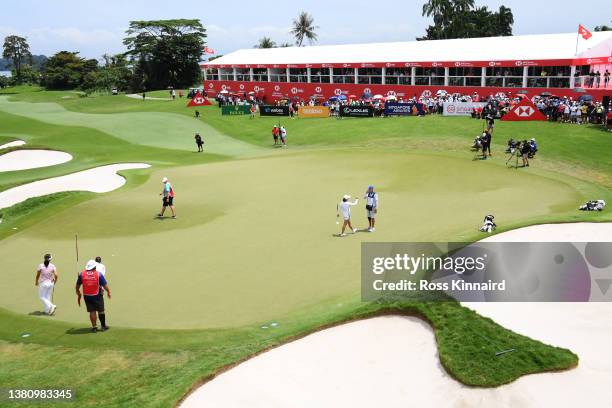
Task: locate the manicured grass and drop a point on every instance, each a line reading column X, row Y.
column 253, row 242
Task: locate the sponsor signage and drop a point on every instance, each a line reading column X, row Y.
column 313, row 111
column 199, row 100
column 272, row 110
column 357, row 111
column 461, row 108
column 236, row 110
column 398, row 109
column 525, row 110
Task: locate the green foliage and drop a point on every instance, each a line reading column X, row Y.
column 462, row 19
column 66, row 70
column 304, row 29
column 603, row 28
column 265, row 42
column 17, row 50
column 165, row 52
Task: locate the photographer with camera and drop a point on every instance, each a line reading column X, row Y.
column 486, row 144
column 525, row 149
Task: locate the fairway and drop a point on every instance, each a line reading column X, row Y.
column 253, row 230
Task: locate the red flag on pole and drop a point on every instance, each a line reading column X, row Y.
column 199, row 100
column 208, row 50
column 586, row 34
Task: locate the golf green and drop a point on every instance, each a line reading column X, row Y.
column 255, row 238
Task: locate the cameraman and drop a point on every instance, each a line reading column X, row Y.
column 525, row 149
column 486, row 144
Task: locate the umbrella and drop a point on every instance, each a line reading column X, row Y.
column 333, row 98
column 342, row 97
column 392, row 98
column 367, row 95
column 251, row 93
column 352, row 97
column 585, row 98
column 377, row 97
column 225, row 91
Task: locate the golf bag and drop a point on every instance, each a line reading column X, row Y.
column 488, row 225
column 594, row 205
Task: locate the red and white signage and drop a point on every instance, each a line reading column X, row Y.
column 199, row 100
column 523, row 111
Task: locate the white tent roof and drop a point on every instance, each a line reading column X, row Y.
column 524, row 47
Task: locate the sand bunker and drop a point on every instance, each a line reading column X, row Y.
column 392, row 361
column 14, row 143
column 98, row 180
column 32, row 159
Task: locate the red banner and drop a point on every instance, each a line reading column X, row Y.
column 199, row 100
column 272, row 91
column 523, row 111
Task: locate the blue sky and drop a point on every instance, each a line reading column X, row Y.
column 96, row 27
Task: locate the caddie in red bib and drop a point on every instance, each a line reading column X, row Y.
column 91, row 280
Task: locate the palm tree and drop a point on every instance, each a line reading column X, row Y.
column 304, row 28
column 265, row 42
column 505, row 20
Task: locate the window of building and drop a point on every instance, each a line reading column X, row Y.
column 260, row 74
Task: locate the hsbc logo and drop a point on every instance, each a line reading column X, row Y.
column 241, row 86
column 367, row 91
column 345, row 65
column 500, row 95
column 199, row 100
column 492, row 63
column 609, row 59
column 294, row 90
column 589, row 60
column 451, row 109
column 210, row 85
column 518, row 63
column 426, row 93
column 391, row 93
column 223, row 87
column 524, row 111
column 318, row 89
column 435, row 64
column 337, row 92
column 256, row 88
column 457, row 64
column 277, row 88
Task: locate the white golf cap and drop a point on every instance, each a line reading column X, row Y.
column 533, row 139
column 91, row 265
column 346, row 197
column 165, row 179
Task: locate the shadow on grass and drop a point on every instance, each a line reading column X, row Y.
column 37, row 313
column 82, row 330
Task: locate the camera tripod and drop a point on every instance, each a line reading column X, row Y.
column 515, row 154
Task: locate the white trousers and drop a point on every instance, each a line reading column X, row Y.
column 45, row 292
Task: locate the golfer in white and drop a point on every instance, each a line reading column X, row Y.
column 345, row 208
column 371, row 198
column 46, row 277
column 100, row 268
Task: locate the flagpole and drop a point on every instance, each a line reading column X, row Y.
column 577, row 39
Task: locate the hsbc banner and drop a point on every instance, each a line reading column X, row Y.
column 357, row 111
column 461, row 108
column 271, row 110
column 525, row 110
column 398, row 109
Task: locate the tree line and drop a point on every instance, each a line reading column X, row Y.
column 160, row 53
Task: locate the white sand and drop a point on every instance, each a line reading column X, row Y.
column 14, row 143
column 153, row 98
column 98, row 180
column 32, row 159
column 393, row 362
